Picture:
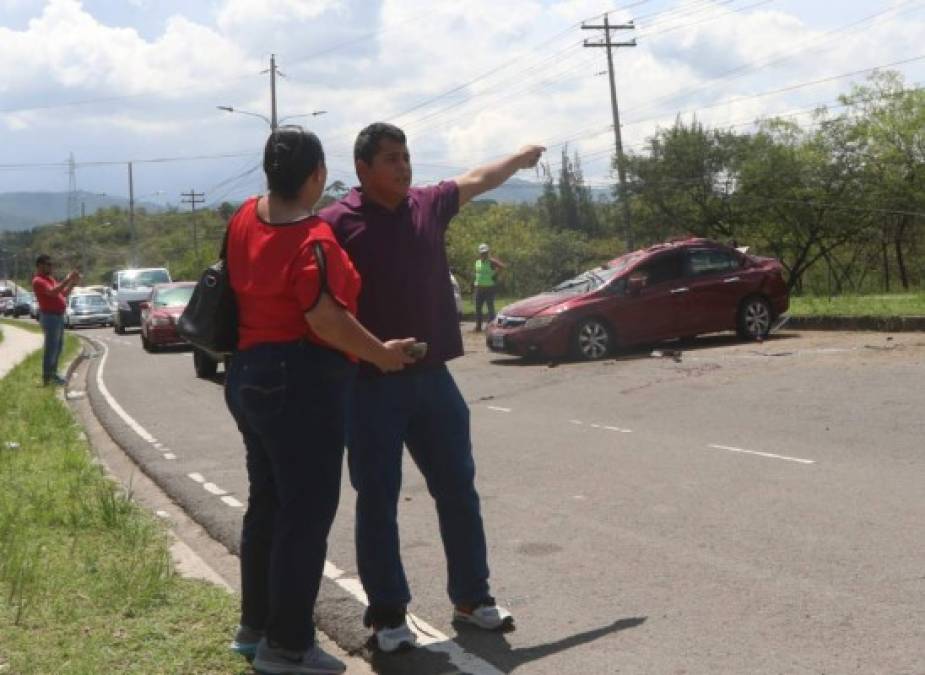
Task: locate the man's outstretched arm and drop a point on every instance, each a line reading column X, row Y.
column 489, row 176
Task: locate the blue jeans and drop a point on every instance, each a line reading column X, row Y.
column 288, row 400
column 425, row 411
column 53, row 327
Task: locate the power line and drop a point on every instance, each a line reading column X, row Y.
column 744, row 69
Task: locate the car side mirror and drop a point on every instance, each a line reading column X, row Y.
column 634, row 285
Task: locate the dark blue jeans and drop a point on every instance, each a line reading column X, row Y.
column 483, row 296
column 425, row 411
column 53, row 328
column 288, row 400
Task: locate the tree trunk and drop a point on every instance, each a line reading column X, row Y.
column 900, row 259
column 886, row 266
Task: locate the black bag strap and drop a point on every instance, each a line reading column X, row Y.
column 223, row 254
column 322, row 266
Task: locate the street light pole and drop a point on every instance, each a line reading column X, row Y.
column 273, row 123
column 131, row 218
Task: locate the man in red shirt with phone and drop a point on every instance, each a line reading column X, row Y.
column 51, row 296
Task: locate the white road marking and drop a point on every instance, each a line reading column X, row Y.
column 159, row 446
column 214, row 489
column 497, row 409
column 622, row 431
column 764, row 454
column 118, row 409
column 169, row 455
column 428, row 636
column 579, row 422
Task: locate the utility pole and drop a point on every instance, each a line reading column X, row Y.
column 131, row 219
column 618, row 139
column 193, row 198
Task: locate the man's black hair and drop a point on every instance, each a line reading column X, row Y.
column 290, row 156
column 367, row 143
column 43, row 259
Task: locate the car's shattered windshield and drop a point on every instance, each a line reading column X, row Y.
column 595, row 278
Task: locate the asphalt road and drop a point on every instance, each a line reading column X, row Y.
column 742, row 508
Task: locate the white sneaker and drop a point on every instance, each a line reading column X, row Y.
column 398, row 638
column 486, row 615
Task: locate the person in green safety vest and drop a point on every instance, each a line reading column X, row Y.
column 486, row 269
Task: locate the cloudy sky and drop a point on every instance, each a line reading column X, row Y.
column 118, row 80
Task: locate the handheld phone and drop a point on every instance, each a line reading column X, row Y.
column 417, row 351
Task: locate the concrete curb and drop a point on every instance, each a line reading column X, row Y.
column 883, row 324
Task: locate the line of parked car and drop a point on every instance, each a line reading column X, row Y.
column 675, row 290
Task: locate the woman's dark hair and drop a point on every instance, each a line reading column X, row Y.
column 367, row 143
column 43, row 259
column 291, row 155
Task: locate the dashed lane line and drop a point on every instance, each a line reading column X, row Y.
column 769, row 455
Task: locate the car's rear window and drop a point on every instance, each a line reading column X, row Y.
column 703, row 261
column 89, row 301
column 173, row 297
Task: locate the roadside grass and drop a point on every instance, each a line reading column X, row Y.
column 86, row 579
column 888, row 304
column 891, row 304
column 469, row 304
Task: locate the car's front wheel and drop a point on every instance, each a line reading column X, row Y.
column 754, row 320
column 592, row 340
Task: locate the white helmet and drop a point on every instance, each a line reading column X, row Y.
column 483, row 248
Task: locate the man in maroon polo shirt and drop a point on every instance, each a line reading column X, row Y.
column 51, row 296
column 395, row 235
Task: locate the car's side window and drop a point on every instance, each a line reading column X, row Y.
column 706, row 261
column 660, row 269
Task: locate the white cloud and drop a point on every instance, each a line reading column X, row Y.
column 364, row 60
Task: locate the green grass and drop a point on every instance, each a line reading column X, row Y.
column 86, row 581
column 469, row 304
column 893, row 304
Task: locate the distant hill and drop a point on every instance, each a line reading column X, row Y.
column 25, row 210
column 519, row 191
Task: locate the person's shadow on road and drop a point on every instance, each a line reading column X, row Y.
column 491, row 647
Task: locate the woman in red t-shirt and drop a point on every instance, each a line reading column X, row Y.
column 296, row 291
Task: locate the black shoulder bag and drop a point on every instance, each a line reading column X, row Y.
column 210, row 319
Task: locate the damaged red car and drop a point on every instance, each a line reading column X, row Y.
column 675, row 290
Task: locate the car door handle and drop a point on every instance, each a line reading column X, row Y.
column 730, row 280
column 678, row 291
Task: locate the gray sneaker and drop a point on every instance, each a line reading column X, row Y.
column 278, row 661
column 245, row 641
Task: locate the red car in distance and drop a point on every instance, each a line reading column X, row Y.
column 675, row 290
column 160, row 312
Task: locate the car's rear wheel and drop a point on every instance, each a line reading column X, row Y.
column 204, row 366
column 754, row 320
column 592, row 340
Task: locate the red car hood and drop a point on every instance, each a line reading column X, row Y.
column 174, row 312
column 536, row 304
